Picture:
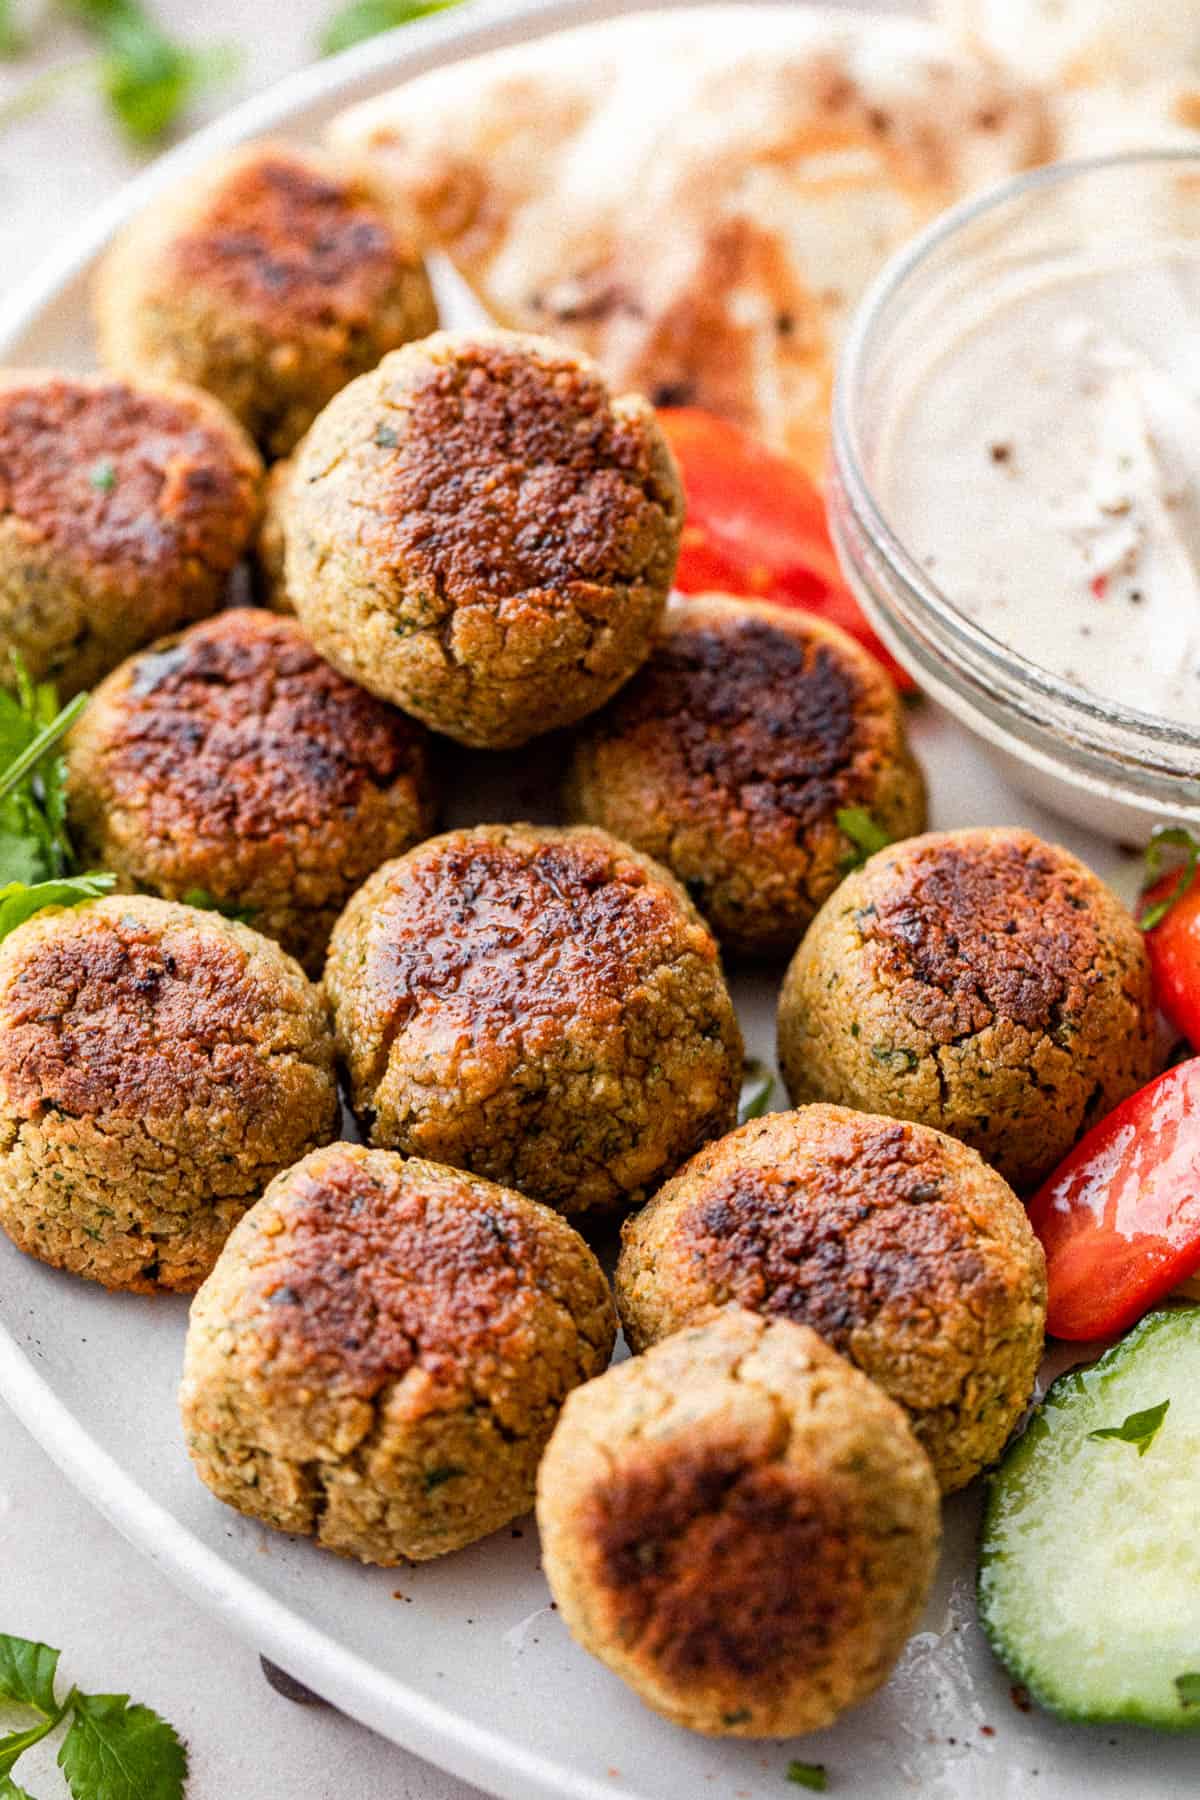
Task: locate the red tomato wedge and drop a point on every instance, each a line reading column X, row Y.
column 1174, row 951
column 756, row 526
column 1119, row 1220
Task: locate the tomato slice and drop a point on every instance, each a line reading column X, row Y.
column 1174, row 950
column 756, row 526
column 1119, row 1220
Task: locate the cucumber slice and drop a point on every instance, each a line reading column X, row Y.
column 1089, row 1575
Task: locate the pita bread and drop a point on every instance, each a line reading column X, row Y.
column 698, row 199
column 1082, row 43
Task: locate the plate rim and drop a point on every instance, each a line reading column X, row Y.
column 449, row 1740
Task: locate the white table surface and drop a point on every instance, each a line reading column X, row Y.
column 65, row 1575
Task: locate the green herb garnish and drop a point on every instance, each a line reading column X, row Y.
column 103, row 475
column 147, row 78
column 866, row 837
column 812, row 1776
column 1175, row 837
column 758, row 1084
column 37, row 859
column 204, row 901
column 435, row 1478
column 364, row 19
column 1140, row 1428
column 385, row 435
column 112, row 1750
column 1188, row 1688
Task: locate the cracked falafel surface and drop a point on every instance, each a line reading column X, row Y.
column 479, row 532
column 124, row 506
column 272, row 278
column 381, row 1352
column 983, row 982
column 235, row 761
column 730, row 753
column 740, row 1525
column 158, row 1066
column 545, row 1007
column 896, row 1243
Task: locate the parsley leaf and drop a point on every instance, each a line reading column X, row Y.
column 21, row 900
column 12, row 42
column 1140, row 1428
column 866, row 837
column 203, row 901
column 812, row 1776
column 758, row 1084
column 364, row 19
column 27, row 1671
column 1168, row 837
column 115, row 1751
column 112, row 1750
column 1188, row 1688
column 149, row 78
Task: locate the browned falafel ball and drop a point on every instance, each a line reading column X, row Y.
column 158, row 1066
column 897, row 1244
column 272, row 278
column 270, row 550
column 544, row 1007
column 740, row 1525
column 982, row 982
column 231, row 765
column 380, row 1354
column 730, row 754
column 123, row 508
column 481, row 533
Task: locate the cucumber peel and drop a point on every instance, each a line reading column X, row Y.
column 1089, row 1573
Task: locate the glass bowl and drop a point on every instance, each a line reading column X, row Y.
column 1111, row 767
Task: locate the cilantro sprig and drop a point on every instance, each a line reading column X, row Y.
column 866, row 837
column 364, row 19
column 148, row 78
column 1188, row 1688
column 37, row 858
column 758, row 1084
column 113, row 1749
column 1168, row 837
column 1140, row 1428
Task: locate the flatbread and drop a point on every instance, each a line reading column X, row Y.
column 700, row 198
column 1082, row 43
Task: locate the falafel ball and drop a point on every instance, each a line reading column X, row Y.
column 543, row 1007
column 124, row 507
column 740, row 1525
column 158, row 1066
column 380, row 1354
column 897, row 1244
column 479, row 532
column 271, row 549
column 982, row 982
column 730, row 754
column 232, row 763
column 272, row 279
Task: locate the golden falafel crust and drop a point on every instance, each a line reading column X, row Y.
column 124, row 506
column 730, row 753
column 158, row 1066
column 982, row 982
column 740, row 1525
column 271, row 279
column 544, row 1007
column 895, row 1243
column 234, row 761
column 381, row 1352
column 480, row 533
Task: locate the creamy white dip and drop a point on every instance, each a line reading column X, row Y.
column 1045, row 468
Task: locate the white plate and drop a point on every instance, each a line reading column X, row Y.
column 463, row 1661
